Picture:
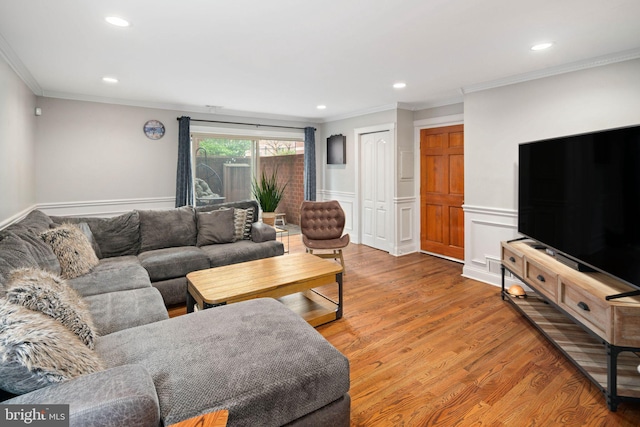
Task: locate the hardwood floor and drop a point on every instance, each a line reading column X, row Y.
column 429, row 347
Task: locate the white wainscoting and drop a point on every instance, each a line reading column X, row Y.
column 407, row 232
column 485, row 228
column 106, row 208
column 348, row 204
column 406, row 226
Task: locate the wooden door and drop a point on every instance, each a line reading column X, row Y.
column 442, row 191
column 376, row 177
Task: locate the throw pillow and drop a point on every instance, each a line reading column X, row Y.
column 239, row 223
column 39, row 290
column 74, row 252
column 86, row 230
column 247, row 225
column 37, row 351
column 167, row 228
column 215, row 227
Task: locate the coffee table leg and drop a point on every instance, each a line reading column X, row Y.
column 191, row 302
column 339, row 280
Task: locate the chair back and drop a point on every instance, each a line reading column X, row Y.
column 322, row 220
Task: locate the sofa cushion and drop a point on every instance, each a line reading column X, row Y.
column 167, row 228
column 256, row 358
column 40, row 250
column 111, row 275
column 36, row 221
column 74, row 252
column 173, row 291
column 39, row 290
column 36, row 351
column 14, row 253
column 215, row 227
column 116, row 236
column 168, row 263
column 122, row 396
column 116, row 311
column 241, row 251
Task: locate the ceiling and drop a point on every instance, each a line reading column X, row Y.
column 282, row 58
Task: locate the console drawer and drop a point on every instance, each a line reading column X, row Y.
column 513, row 261
column 588, row 309
column 543, row 280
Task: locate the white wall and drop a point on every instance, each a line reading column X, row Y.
column 497, row 120
column 94, row 158
column 17, row 145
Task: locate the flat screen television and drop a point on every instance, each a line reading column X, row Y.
column 579, row 196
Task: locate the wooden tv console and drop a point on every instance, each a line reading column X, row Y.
column 600, row 336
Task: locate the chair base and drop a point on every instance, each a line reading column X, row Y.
column 336, row 254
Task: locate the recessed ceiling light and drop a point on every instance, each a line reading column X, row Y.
column 321, row 107
column 111, row 80
column 118, row 22
column 399, row 85
column 542, row 46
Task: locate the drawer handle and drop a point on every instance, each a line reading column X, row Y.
column 583, row 306
column 540, row 278
column 512, row 259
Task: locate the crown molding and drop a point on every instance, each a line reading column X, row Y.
column 218, row 111
column 18, row 67
column 359, row 113
column 598, row 61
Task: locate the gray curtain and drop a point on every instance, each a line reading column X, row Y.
column 184, row 178
column 309, row 163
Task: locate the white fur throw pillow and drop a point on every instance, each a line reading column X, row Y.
column 73, row 249
column 36, row 351
column 42, row 291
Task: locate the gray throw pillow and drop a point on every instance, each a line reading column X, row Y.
column 74, row 252
column 37, row 351
column 167, row 228
column 39, row 290
column 86, row 230
column 216, row 227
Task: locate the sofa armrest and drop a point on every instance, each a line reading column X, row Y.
column 261, row 232
column 120, row 396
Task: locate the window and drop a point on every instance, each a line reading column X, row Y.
column 224, row 168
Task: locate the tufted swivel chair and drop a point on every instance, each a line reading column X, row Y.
column 321, row 225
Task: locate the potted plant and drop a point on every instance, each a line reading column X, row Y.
column 268, row 192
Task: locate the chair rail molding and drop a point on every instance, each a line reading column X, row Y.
column 485, row 228
column 106, row 208
column 17, row 217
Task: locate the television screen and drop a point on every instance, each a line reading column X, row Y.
column 580, row 195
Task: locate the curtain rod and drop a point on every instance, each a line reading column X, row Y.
column 247, row 124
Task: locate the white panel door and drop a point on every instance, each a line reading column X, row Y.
column 376, row 180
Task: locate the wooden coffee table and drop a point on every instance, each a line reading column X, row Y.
column 289, row 278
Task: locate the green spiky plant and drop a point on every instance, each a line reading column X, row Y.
column 267, row 191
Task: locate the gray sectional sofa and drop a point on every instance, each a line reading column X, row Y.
column 257, row 359
column 166, row 244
